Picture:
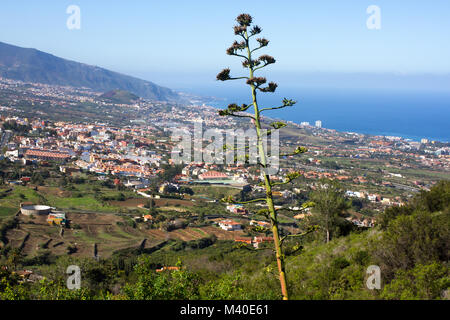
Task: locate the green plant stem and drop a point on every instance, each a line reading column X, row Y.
column 268, row 186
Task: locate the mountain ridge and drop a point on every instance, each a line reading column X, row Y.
column 32, row 65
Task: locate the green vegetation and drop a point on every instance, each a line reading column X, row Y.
column 119, row 96
column 329, row 204
column 11, row 198
column 214, row 192
column 88, row 203
column 13, row 126
column 411, row 248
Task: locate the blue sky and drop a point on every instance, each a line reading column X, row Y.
column 174, row 42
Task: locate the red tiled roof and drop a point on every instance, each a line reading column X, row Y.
column 229, row 222
column 213, row 174
column 47, row 154
column 167, row 268
column 263, row 239
column 245, row 240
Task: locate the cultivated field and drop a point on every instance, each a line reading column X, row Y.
column 107, row 231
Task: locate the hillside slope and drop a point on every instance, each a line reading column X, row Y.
column 31, row 65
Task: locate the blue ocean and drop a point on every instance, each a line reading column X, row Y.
column 406, row 113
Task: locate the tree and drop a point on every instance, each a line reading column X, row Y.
column 243, row 50
column 245, row 193
column 437, row 199
column 57, row 290
column 170, row 172
column 150, row 205
column 10, row 286
column 15, row 257
column 329, row 203
column 121, row 197
column 201, row 217
column 186, row 190
column 37, row 178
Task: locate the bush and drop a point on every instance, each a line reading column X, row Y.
column 71, row 249
column 170, row 285
column 437, row 199
column 423, row 282
column 420, row 238
column 361, row 258
column 203, row 242
column 340, row 263
column 120, row 197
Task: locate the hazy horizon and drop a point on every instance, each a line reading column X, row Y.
column 193, row 82
column 176, row 43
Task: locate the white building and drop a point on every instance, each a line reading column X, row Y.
column 319, row 123
column 230, row 225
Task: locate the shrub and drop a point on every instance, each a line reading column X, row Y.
column 340, row 263
column 422, row 282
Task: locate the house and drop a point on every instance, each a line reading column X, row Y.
column 259, row 240
column 263, row 224
column 58, row 218
column 136, row 184
column 213, row 175
column 24, row 274
column 28, row 276
column 168, row 188
column 237, row 209
column 302, row 216
column 256, row 241
column 354, row 194
column 277, row 194
column 168, row 269
column 246, row 240
column 69, row 169
column 46, row 155
column 186, row 171
column 362, row 222
column 230, row 225
column 148, row 217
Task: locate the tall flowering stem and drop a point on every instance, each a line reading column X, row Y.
column 243, row 50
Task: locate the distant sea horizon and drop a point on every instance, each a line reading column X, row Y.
column 410, row 114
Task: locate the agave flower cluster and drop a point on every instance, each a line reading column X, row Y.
column 246, row 32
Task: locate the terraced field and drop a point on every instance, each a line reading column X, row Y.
column 107, row 231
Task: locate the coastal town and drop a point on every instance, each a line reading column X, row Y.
column 151, row 152
column 376, row 171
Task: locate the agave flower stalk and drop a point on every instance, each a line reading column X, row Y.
column 243, row 50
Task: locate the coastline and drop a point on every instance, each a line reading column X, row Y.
column 220, row 103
